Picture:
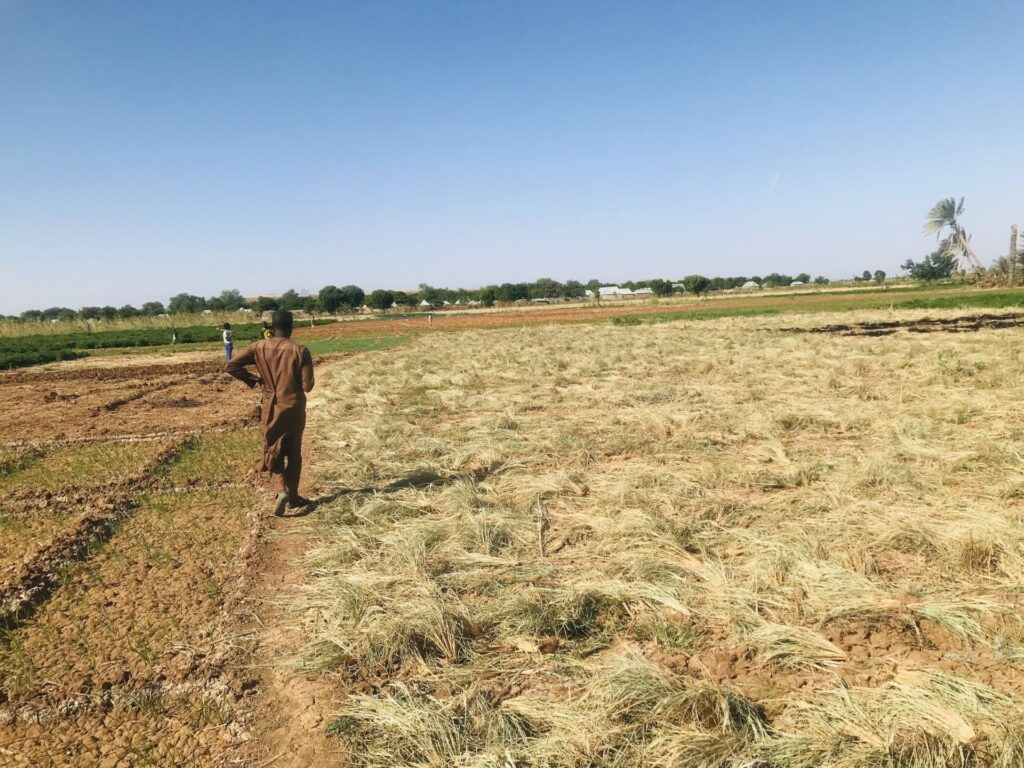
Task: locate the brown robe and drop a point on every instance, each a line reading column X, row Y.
column 285, row 376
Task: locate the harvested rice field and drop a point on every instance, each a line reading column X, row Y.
column 745, row 542
column 720, row 543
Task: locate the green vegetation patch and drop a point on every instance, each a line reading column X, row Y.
column 695, row 314
column 25, row 357
column 221, row 456
column 83, row 466
column 60, row 343
column 163, row 349
column 775, row 305
column 20, row 534
column 13, row 460
column 21, row 351
column 967, row 300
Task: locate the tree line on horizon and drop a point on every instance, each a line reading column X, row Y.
column 943, row 221
column 333, row 299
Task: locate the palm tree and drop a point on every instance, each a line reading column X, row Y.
column 943, row 216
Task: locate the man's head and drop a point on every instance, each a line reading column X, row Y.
column 227, row 326
column 282, row 322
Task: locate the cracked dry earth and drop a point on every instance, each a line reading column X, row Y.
column 138, row 573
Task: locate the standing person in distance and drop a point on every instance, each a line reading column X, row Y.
column 285, row 375
column 229, row 340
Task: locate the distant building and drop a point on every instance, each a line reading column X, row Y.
column 750, row 285
column 616, row 292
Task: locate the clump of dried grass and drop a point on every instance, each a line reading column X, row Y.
column 628, row 712
column 919, row 720
column 793, row 647
column 408, row 727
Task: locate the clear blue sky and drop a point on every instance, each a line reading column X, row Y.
column 149, row 148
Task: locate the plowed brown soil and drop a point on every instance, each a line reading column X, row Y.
column 129, row 526
column 118, row 401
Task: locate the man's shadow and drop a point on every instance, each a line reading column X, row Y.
column 420, row 479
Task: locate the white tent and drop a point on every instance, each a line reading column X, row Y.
column 750, row 285
column 425, row 303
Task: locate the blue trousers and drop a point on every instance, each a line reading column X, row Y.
column 227, row 350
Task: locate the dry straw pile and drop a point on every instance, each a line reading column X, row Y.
column 690, row 544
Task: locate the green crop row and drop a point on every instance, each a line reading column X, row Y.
column 21, row 351
column 21, row 359
column 987, row 300
column 143, row 337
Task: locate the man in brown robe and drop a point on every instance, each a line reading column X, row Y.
column 285, row 374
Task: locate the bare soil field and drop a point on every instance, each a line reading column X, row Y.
column 733, row 543
column 92, row 402
column 129, row 529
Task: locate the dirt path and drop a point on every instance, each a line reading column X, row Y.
column 290, row 710
column 289, row 715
